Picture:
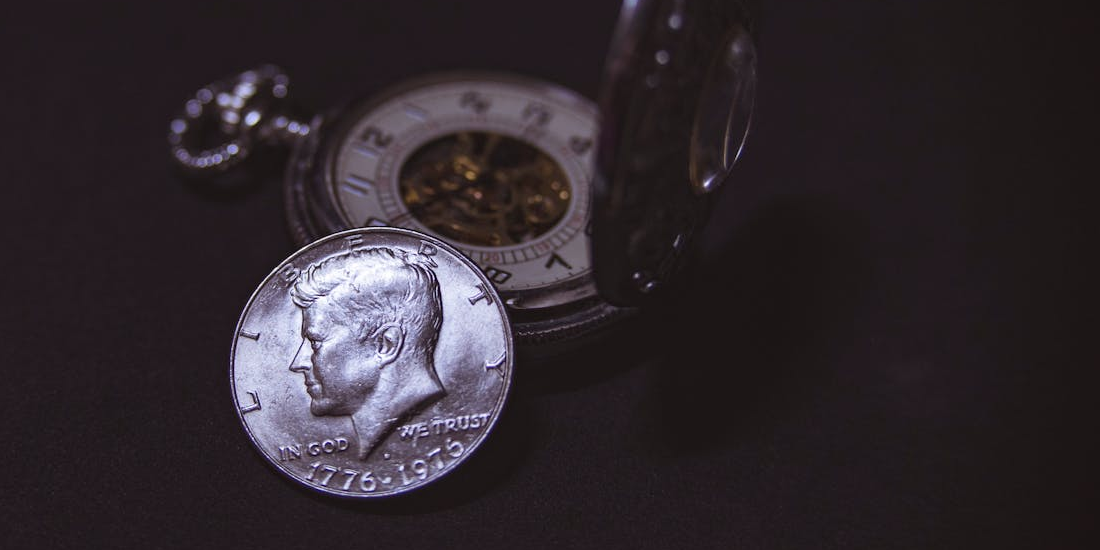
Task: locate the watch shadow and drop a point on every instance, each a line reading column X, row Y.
column 599, row 357
column 741, row 336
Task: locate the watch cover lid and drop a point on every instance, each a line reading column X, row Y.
column 675, row 102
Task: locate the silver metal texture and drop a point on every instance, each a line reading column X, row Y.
column 225, row 121
column 371, row 362
column 676, row 101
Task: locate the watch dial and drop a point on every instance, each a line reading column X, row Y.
column 485, row 189
column 499, row 167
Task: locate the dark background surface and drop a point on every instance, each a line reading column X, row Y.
column 886, row 348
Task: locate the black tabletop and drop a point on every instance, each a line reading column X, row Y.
column 881, row 344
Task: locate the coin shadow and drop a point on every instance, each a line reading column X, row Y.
column 739, row 343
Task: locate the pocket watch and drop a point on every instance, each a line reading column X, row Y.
column 577, row 211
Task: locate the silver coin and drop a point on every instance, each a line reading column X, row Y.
column 371, row 362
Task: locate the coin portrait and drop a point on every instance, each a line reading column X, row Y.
column 370, row 322
column 371, row 362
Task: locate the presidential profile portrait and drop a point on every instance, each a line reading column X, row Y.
column 371, row 319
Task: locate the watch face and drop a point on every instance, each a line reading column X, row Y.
column 497, row 166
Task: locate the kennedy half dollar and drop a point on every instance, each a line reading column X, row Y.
column 371, row 362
